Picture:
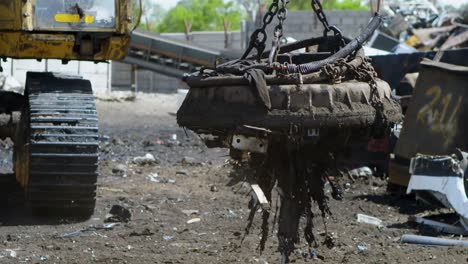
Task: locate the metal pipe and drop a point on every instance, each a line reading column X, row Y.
column 433, row 241
column 315, row 77
column 342, row 53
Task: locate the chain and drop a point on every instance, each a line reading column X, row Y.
column 332, row 71
column 318, row 9
column 278, row 32
column 367, row 73
column 322, row 17
column 259, row 36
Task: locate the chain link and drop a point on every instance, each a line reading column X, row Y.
column 259, row 36
column 365, row 72
column 322, row 17
column 278, row 32
column 318, row 9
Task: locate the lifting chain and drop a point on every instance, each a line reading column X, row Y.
column 259, row 36
column 278, row 32
column 318, row 9
column 364, row 73
column 367, row 73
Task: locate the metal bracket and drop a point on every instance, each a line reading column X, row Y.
column 250, row 144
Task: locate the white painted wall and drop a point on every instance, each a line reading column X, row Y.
column 98, row 74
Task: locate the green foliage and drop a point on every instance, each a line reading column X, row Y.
column 152, row 14
column 328, row 5
column 206, row 15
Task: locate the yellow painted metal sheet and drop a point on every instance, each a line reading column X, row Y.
column 57, row 46
column 18, row 38
column 73, row 18
column 10, row 15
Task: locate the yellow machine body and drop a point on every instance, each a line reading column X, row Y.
column 94, row 30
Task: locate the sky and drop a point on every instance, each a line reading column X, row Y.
column 166, row 3
column 170, row 3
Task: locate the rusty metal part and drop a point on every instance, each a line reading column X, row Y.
column 311, row 106
column 306, row 109
column 340, row 69
column 249, row 144
column 307, row 126
column 56, row 148
column 435, row 119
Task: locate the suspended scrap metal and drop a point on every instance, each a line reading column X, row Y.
column 293, row 116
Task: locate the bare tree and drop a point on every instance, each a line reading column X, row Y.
column 251, row 8
column 227, row 29
column 188, row 27
column 261, row 9
column 152, row 14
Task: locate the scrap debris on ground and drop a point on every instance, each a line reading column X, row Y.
column 187, row 222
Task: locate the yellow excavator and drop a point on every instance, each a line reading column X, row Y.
column 56, row 135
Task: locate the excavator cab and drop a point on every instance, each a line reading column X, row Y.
column 56, row 138
column 75, row 15
column 65, row 29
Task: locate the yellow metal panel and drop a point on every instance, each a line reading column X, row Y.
column 70, row 18
column 10, row 15
column 125, row 16
column 19, row 40
column 57, row 46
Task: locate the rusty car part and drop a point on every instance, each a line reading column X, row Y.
column 434, row 122
column 444, row 178
column 305, row 109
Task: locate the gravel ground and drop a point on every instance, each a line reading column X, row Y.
column 191, row 182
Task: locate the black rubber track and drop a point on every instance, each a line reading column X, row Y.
column 63, row 145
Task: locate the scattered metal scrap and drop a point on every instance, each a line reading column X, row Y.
column 438, row 226
column 82, row 232
column 432, row 241
column 443, row 177
column 420, row 25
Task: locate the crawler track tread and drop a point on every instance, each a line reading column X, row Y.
column 64, row 146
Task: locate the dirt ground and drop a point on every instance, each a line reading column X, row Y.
column 191, row 178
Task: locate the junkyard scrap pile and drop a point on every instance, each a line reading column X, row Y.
column 281, row 132
column 419, row 25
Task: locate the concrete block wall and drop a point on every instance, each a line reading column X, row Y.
column 212, row 40
column 299, row 25
column 304, row 24
column 98, row 73
column 147, row 81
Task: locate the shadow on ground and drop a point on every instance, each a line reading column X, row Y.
column 405, row 204
column 15, row 212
